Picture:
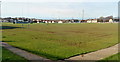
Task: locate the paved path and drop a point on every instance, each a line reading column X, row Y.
column 97, row 55
column 22, row 53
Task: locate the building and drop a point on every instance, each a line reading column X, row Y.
column 83, row 21
column 53, row 21
column 94, row 20
column 89, row 21
column 60, row 21
column 116, row 19
column 111, row 21
column 38, row 21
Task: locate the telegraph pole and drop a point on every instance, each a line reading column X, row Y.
column 118, row 18
column 0, row 34
column 83, row 14
column 0, row 9
column 0, row 13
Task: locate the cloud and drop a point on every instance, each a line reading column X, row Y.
column 61, row 9
column 60, row 0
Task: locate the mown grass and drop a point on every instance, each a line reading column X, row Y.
column 60, row 41
column 8, row 56
column 113, row 58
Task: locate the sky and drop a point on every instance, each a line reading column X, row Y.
column 59, row 9
column 60, row 0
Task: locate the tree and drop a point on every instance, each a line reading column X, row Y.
column 101, row 19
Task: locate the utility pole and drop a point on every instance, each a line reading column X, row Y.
column 118, row 16
column 0, row 34
column 0, row 14
column 0, row 9
column 83, row 14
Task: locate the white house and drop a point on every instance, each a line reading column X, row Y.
column 94, row 21
column 60, row 22
column 111, row 21
column 38, row 21
column 53, row 21
column 89, row 21
column 46, row 22
column 49, row 21
column 69, row 22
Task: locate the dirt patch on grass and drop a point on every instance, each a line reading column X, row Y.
column 99, row 35
column 104, row 35
column 50, row 32
column 13, row 34
column 75, row 44
column 75, row 31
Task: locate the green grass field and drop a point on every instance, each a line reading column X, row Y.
column 8, row 56
column 60, row 41
column 113, row 58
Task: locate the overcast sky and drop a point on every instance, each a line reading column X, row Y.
column 59, row 8
column 61, row 0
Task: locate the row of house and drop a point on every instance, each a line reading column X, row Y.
column 108, row 19
column 16, row 20
column 92, row 21
column 56, row 21
column 97, row 21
